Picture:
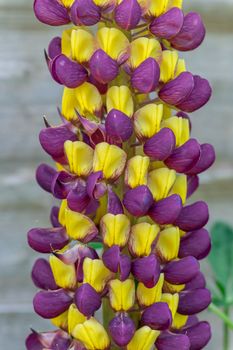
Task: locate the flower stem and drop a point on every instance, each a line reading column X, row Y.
column 223, row 315
column 226, row 332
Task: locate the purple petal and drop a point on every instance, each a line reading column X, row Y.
column 128, row 14
column 168, row 24
column 138, row 200
column 54, row 216
column 51, row 12
column 181, row 271
column 61, row 343
column 87, row 300
column 85, row 12
column 199, row 96
column 44, row 176
column 124, row 267
column 84, row 252
column 50, row 304
column 62, row 184
column 157, row 316
column 42, row 275
column 197, row 282
column 103, row 68
column 76, row 254
column 193, row 216
column 52, row 140
column 114, row 204
column 121, row 329
column 146, row 270
column 54, row 48
column 207, row 158
column 161, row 145
column 184, row 157
column 33, row 343
column 111, row 258
column 45, row 240
column 185, row 116
column 194, row 301
column 95, row 188
column 118, row 125
column 199, row 335
column 78, row 198
column 102, row 88
column 191, row 34
column 196, row 243
column 145, row 77
column 193, row 184
column 166, row 210
column 178, row 89
column 68, row 72
column 170, row 341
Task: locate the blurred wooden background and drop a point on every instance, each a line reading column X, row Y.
column 27, row 93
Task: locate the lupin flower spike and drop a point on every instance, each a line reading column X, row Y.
column 122, row 238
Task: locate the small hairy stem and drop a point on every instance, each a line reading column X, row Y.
column 222, row 315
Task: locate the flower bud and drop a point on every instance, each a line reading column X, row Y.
column 45, row 240
column 54, row 48
column 50, row 304
column 167, row 246
column 166, row 210
column 80, row 227
column 114, row 204
column 147, row 121
column 127, row 14
column 146, row 270
column 44, row 176
column 145, row 77
column 118, row 125
column 68, row 72
column 121, row 329
column 191, row 34
column 136, row 171
column 138, row 200
column 184, row 157
column 160, row 182
column 161, row 145
column 197, row 282
column 194, row 301
column 143, row 336
column 193, row 184
column 168, row 25
column 85, row 12
column 148, row 296
column 96, row 274
column 193, row 216
column 51, row 12
column 196, row 243
column 117, row 262
column 177, row 90
column 167, row 341
column 115, row 229
column 181, row 271
column 157, row 316
column 42, row 275
column 207, row 158
column 87, row 300
column 122, row 294
column 120, row 98
column 198, row 97
column 54, row 216
column 138, row 246
column 199, row 335
column 103, row 68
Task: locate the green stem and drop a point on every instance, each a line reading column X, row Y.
column 221, row 314
column 226, row 332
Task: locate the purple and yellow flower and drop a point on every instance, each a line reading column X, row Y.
column 122, row 238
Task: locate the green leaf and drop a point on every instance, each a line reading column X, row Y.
column 221, row 259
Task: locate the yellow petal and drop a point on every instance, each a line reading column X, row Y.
column 142, row 236
column 180, row 187
column 79, row 226
column 172, row 300
column 95, row 273
column 122, row 294
column 143, row 339
column 92, row 334
column 113, row 42
column 80, row 157
column 180, row 127
column 105, row 3
column 172, row 288
column 67, row 3
column 75, row 317
column 180, row 67
column 82, row 45
column 136, row 171
column 168, row 65
column 160, row 181
column 61, row 321
column 143, row 48
column 66, row 43
column 168, row 244
column 64, row 275
column 88, row 99
column 109, row 159
column 174, row 3
column 147, row 120
column 62, row 212
column 120, row 97
column 115, row 229
column 69, row 104
column 179, row 321
column 148, row 296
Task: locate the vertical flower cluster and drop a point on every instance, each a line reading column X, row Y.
column 125, row 167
